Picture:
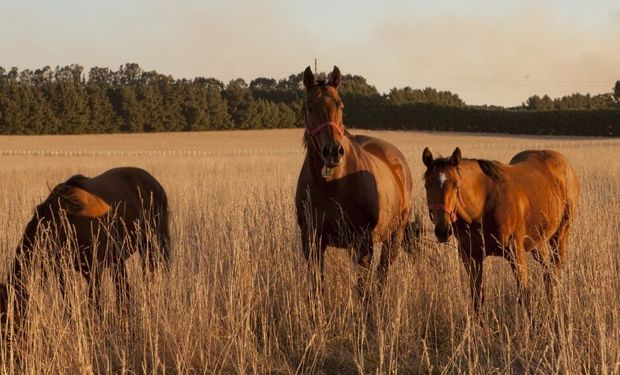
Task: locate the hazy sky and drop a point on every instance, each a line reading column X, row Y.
column 485, row 52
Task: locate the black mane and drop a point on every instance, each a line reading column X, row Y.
column 490, row 168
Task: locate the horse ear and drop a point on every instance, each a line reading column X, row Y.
column 456, row 156
column 427, row 157
column 335, row 77
column 89, row 204
column 309, row 81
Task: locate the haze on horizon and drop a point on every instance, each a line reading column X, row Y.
column 487, row 53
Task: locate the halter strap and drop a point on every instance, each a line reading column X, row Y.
column 316, row 130
column 312, row 133
column 443, row 207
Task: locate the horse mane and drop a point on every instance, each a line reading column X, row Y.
column 491, row 168
column 63, row 194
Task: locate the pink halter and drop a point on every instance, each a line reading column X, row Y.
column 318, row 129
column 445, row 208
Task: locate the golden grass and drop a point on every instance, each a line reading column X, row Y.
column 236, row 297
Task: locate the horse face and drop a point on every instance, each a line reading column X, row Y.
column 323, row 111
column 442, row 192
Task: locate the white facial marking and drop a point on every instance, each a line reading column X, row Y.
column 442, row 179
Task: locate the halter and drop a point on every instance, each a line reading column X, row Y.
column 312, row 133
column 445, row 208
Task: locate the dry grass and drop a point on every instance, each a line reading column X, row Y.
column 236, row 297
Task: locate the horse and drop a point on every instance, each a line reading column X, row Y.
column 93, row 223
column 353, row 191
column 507, row 210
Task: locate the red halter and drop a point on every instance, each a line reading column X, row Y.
column 445, row 208
column 316, row 130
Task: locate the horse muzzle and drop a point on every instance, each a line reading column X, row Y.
column 443, row 234
column 332, row 154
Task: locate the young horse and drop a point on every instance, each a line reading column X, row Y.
column 503, row 210
column 353, row 191
column 103, row 220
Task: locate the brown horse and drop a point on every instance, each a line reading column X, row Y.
column 353, row 191
column 504, row 210
column 104, row 219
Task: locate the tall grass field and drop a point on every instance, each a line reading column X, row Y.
column 237, row 297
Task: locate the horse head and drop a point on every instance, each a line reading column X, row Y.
column 441, row 181
column 323, row 113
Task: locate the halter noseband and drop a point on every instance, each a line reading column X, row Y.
column 312, row 133
column 443, row 207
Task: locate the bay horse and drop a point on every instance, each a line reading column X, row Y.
column 353, row 191
column 504, row 210
column 94, row 223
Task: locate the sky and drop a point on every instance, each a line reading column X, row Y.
column 496, row 52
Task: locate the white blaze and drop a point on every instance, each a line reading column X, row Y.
column 442, row 179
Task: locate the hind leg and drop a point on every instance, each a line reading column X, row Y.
column 518, row 263
column 557, row 243
column 314, row 250
column 364, row 252
column 119, row 275
column 389, row 252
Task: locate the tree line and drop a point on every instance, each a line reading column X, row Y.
column 67, row 100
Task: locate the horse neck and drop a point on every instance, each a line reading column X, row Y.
column 23, row 258
column 475, row 188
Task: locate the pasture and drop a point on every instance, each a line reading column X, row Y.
column 236, row 298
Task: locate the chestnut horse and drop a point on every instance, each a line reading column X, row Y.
column 353, row 191
column 103, row 219
column 504, row 210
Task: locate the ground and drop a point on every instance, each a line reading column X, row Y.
column 236, row 297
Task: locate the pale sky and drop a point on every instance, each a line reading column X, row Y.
column 488, row 52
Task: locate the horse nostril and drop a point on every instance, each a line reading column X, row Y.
column 439, row 232
column 325, row 152
column 340, row 150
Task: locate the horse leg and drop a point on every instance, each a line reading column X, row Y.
column 557, row 243
column 93, row 279
column 389, row 252
column 119, row 274
column 313, row 251
column 364, row 259
column 475, row 269
column 519, row 267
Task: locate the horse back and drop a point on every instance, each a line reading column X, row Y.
column 546, row 186
column 134, row 195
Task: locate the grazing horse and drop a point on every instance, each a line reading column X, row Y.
column 504, row 210
column 94, row 223
column 353, row 191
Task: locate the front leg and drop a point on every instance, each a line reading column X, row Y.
column 314, row 249
column 474, row 266
column 472, row 254
column 364, row 251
